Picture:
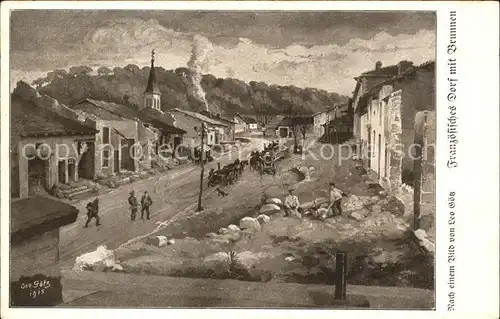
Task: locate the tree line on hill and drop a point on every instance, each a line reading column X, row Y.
column 224, row 95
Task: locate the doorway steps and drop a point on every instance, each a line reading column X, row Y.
column 72, row 192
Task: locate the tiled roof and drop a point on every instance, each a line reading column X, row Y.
column 250, row 120
column 36, row 215
column 385, row 71
column 96, row 112
column 375, row 89
column 199, row 117
column 27, row 119
column 114, row 108
column 162, row 121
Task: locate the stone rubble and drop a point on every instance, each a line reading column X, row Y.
column 269, row 209
column 233, row 228
column 158, row 241
column 249, row 223
column 275, row 201
column 98, row 260
column 263, row 219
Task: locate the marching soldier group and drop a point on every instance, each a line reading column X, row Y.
column 145, row 204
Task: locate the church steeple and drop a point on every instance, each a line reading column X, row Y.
column 152, row 93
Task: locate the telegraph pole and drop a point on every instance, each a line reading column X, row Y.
column 202, row 165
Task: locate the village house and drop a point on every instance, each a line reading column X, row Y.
column 191, row 123
column 320, row 119
column 47, row 149
column 387, row 117
column 368, row 79
column 252, row 124
column 338, row 128
column 285, row 128
column 34, row 249
column 240, row 124
column 118, row 127
column 229, row 130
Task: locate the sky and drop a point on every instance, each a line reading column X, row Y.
column 323, row 50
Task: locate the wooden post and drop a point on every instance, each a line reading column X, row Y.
column 202, row 165
column 340, row 276
column 218, row 166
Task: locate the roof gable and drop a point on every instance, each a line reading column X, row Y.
column 27, row 119
column 199, row 117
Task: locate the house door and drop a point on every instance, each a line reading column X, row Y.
column 379, row 154
column 37, row 172
column 283, row 132
column 71, row 170
column 128, row 154
column 177, row 142
column 369, row 146
column 116, row 163
column 86, row 164
column 61, row 168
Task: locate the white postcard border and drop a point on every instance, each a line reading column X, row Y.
column 474, row 180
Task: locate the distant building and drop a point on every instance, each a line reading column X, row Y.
column 320, row 119
column 251, row 123
column 47, row 149
column 284, row 129
column 191, row 123
column 240, row 124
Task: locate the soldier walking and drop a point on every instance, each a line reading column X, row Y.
column 92, row 212
column 146, row 202
column 132, row 201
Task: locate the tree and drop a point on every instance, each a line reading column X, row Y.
column 104, row 71
column 56, row 74
column 79, row 70
column 39, row 82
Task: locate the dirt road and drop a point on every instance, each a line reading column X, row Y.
column 172, row 193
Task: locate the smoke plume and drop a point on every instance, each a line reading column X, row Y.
column 200, row 50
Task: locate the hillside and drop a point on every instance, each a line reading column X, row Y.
column 126, row 85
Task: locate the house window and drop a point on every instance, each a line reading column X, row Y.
column 380, row 114
column 105, row 158
column 105, row 135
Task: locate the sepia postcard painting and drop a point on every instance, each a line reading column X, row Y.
column 225, row 159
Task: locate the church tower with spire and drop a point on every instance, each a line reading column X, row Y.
column 152, row 95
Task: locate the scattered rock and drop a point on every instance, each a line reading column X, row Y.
column 424, row 240
column 158, row 241
column 97, row 260
column 249, row 223
column 290, row 258
column 356, row 216
column 171, row 241
column 269, row 209
column 382, row 193
column 376, row 208
column 263, row 219
column 233, row 228
column 275, row 201
column 315, row 203
column 249, row 259
column 211, row 235
column 223, row 231
column 117, row 267
column 352, row 203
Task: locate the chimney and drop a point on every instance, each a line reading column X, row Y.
column 404, row 66
column 378, row 65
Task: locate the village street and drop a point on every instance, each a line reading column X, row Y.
column 172, row 193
